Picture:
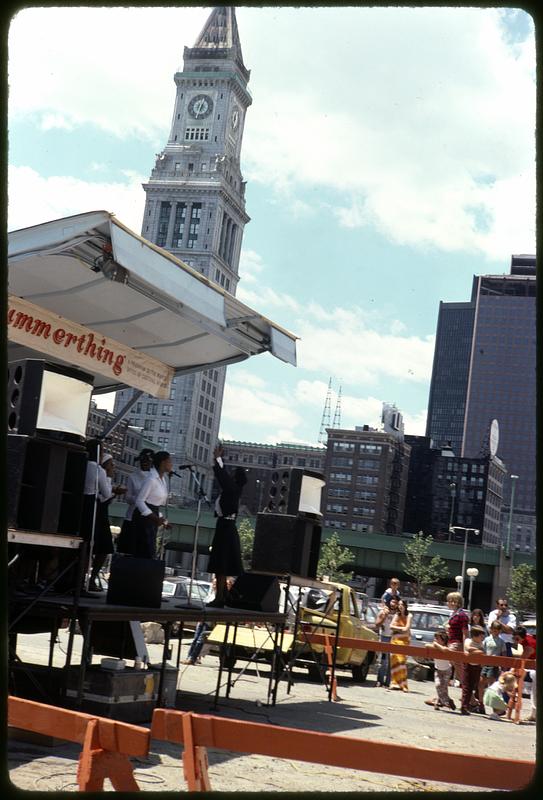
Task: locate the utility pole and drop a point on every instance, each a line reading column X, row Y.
column 325, row 421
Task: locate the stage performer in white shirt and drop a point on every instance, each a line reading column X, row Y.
column 225, row 558
column 147, row 518
column 133, row 486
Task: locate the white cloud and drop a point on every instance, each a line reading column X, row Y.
column 420, row 119
column 34, row 199
column 257, row 408
column 360, row 355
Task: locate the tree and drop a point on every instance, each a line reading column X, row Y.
column 246, row 539
column 332, row 557
column 522, row 590
column 420, row 566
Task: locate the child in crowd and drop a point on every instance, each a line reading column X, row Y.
column 472, row 672
column 496, row 694
column 442, row 672
column 493, row 646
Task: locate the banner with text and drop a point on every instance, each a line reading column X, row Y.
column 51, row 334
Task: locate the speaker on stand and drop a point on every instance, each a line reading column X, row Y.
column 288, row 533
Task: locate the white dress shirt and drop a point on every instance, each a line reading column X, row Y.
column 154, row 491
column 507, row 619
column 104, row 483
column 133, row 486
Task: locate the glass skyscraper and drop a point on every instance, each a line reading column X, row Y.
column 484, row 369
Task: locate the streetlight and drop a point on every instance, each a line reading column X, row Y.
column 466, row 531
column 452, row 487
column 514, row 479
column 472, row 573
column 458, row 580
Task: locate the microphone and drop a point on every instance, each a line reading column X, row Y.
column 185, row 466
column 170, row 474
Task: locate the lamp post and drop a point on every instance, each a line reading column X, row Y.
column 472, row 573
column 514, row 479
column 452, row 487
column 458, row 580
column 466, row 531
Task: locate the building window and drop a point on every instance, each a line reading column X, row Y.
column 163, row 222
column 179, row 224
column 196, row 134
column 195, row 215
column 343, row 447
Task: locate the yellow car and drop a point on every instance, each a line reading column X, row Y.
column 256, row 642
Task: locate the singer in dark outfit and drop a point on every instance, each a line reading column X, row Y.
column 225, row 558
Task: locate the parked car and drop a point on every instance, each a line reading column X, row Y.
column 177, row 588
column 318, row 613
column 369, row 616
column 426, row 619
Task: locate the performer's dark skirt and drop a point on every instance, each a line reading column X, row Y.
column 103, row 541
column 141, row 541
column 225, row 558
column 125, row 536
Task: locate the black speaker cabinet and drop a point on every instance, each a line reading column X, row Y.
column 42, row 395
column 253, row 592
column 45, row 482
column 135, row 581
column 290, row 488
column 286, row 543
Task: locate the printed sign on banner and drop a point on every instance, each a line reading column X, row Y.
column 53, row 335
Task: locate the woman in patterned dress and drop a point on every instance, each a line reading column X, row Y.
column 401, row 634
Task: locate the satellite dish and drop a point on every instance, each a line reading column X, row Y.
column 494, row 437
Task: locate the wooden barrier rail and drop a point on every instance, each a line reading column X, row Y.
column 425, row 651
column 197, row 732
column 107, row 744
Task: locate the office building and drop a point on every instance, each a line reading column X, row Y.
column 445, row 490
column 366, row 480
column 492, row 379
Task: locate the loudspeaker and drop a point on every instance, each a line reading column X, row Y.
column 254, row 592
column 295, row 491
column 48, row 398
column 135, row 581
column 288, row 544
column 45, row 484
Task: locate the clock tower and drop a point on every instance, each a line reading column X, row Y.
column 195, row 209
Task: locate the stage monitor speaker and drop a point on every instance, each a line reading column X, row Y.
column 288, row 544
column 253, row 592
column 294, row 491
column 48, row 399
column 45, row 482
column 135, row 581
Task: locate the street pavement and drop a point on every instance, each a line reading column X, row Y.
column 365, row 711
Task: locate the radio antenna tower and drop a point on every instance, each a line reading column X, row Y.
column 325, row 421
column 337, row 413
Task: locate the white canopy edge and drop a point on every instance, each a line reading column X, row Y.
column 67, row 265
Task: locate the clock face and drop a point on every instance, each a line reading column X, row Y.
column 200, row 106
column 234, row 119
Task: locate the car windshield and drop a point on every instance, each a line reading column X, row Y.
column 168, row 588
column 429, row 620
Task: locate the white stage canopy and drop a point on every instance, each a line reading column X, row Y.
column 87, row 282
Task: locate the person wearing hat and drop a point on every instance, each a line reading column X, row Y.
column 103, row 540
column 133, row 485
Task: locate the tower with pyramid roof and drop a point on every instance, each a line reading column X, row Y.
column 195, row 209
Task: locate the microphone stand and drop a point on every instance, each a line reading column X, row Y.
column 201, row 496
column 162, row 528
column 94, row 512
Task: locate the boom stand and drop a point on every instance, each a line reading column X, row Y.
column 201, row 496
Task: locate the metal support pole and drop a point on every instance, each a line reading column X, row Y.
column 514, row 479
column 463, row 572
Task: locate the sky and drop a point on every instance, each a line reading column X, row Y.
column 389, row 155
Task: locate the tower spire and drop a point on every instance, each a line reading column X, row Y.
column 337, row 413
column 325, row 421
column 220, row 32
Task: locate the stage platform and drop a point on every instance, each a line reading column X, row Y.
column 97, row 608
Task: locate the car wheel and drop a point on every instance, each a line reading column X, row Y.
column 227, row 660
column 360, row 671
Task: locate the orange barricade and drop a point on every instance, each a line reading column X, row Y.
column 200, row 731
column 107, row 744
column 516, row 664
